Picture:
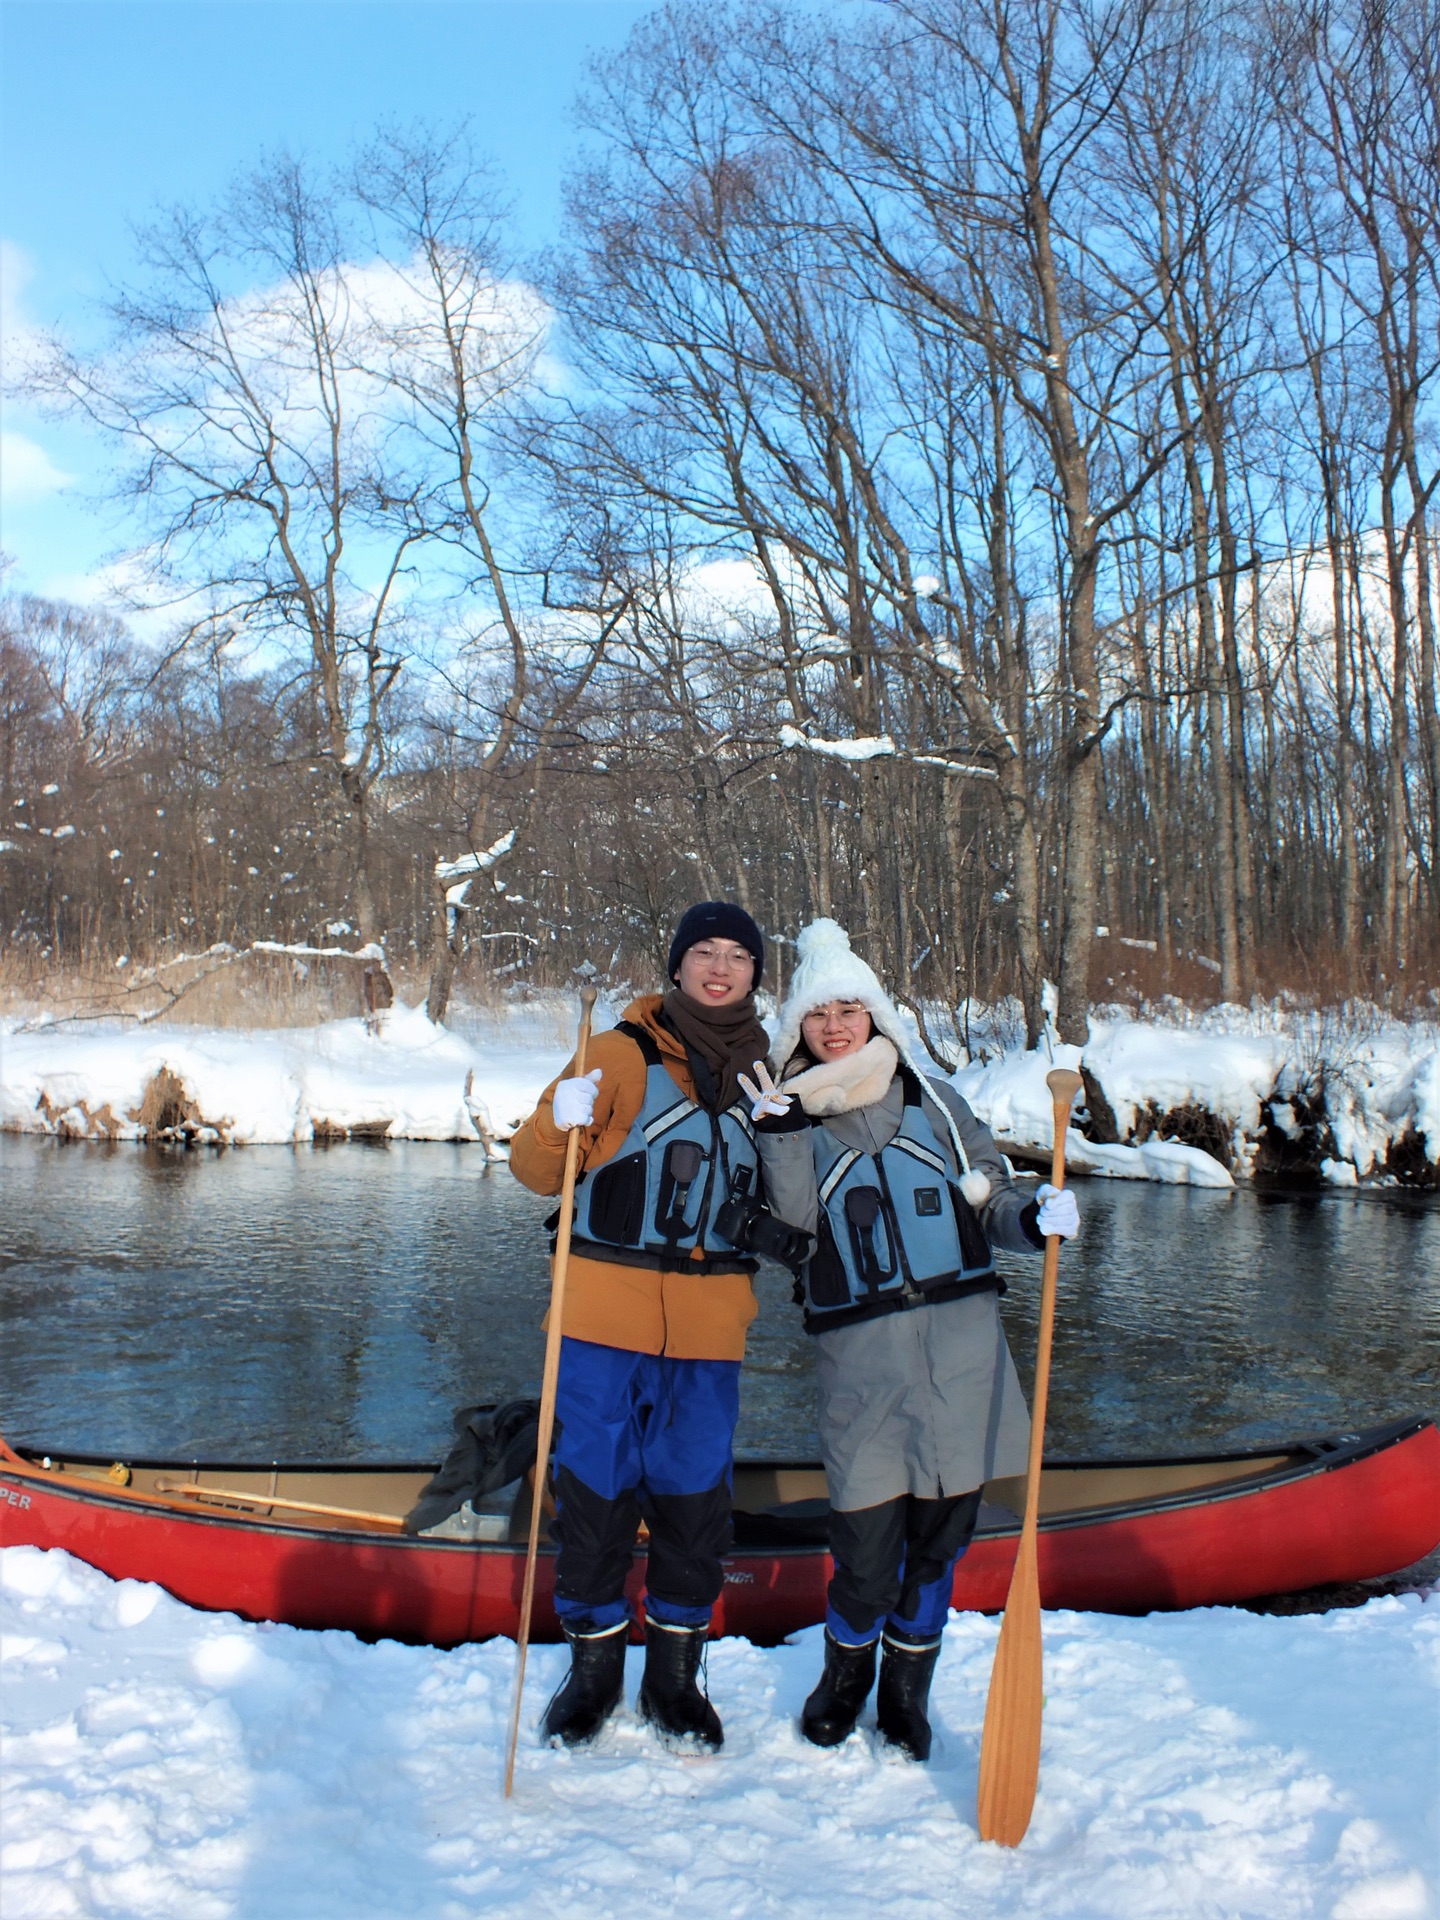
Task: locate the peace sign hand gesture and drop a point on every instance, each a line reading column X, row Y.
column 767, row 1097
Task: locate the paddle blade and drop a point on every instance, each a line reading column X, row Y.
column 1010, row 1743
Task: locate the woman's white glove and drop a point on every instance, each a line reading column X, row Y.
column 1058, row 1212
column 767, row 1097
column 573, row 1102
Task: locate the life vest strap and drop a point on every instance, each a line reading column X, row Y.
column 663, row 1122
column 837, row 1173
column 933, row 1295
column 661, row 1260
column 643, row 1039
column 902, row 1143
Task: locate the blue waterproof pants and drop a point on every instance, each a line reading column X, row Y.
column 641, row 1436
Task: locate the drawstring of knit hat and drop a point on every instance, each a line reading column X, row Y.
column 974, row 1182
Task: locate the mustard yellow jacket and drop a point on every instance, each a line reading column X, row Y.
column 689, row 1316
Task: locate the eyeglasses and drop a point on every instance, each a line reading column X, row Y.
column 729, row 956
column 842, row 1010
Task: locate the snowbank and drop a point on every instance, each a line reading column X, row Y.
column 1214, row 1764
column 396, row 1076
column 1169, row 1161
column 1196, row 1099
column 1011, row 1096
column 1340, row 1096
column 1229, row 1073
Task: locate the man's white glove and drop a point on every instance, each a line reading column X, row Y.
column 1058, row 1212
column 573, row 1102
column 767, row 1097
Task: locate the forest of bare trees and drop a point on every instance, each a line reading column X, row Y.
column 967, row 469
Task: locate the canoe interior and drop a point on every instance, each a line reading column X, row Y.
column 774, row 1505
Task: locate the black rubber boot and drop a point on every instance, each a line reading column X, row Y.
column 829, row 1715
column 591, row 1690
column 906, row 1669
column 669, row 1697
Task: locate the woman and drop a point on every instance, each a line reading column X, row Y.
column 657, row 1304
column 906, row 1193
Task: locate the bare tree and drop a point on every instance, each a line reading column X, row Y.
column 1361, row 92
column 304, row 402
column 988, row 500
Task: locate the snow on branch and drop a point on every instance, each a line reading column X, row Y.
column 463, row 870
column 372, row 951
column 952, row 766
column 470, row 863
column 140, row 980
column 876, row 747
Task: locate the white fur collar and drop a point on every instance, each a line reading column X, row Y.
column 852, row 1081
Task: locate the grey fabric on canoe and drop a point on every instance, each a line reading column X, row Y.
column 493, row 1446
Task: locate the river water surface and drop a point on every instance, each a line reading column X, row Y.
column 339, row 1303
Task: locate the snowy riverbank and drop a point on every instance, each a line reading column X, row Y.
column 396, row 1076
column 1204, row 1098
column 1212, row 1766
column 1234, row 1093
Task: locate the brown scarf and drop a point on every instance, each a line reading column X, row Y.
column 728, row 1039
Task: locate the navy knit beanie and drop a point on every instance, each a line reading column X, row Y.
column 716, row 920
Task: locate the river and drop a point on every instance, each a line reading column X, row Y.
column 338, row 1303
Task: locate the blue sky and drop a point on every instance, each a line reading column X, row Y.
column 112, row 108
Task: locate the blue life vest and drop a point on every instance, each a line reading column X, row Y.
column 894, row 1229
column 653, row 1204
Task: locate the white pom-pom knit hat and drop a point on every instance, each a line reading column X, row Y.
column 828, row 968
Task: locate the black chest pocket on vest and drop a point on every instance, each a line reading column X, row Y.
column 680, row 1170
column 617, row 1201
column 927, row 1200
column 826, row 1278
column 975, row 1251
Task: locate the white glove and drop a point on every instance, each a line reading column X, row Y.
column 1058, row 1212
column 573, row 1102
column 767, row 1097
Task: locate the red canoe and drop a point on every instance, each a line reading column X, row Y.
column 322, row 1546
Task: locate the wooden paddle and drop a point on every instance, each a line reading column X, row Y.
column 190, row 1490
column 558, row 1273
column 1010, row 1743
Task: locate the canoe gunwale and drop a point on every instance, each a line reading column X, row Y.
column 1329, row 1446
column 1312, row 1458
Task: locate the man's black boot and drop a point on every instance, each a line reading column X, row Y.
column 591, row 1690
column 906, row 1669
column 669, row 1697
column 829, row 1715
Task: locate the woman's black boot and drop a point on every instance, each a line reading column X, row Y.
column 591, row 1690
column 829, row 1715
column 906, row 1669
column 669, row 1697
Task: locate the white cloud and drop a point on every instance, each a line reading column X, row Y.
column 27, row 473
column 383, row 322
column 384, row 317
column 123, row 586
column 17, row 333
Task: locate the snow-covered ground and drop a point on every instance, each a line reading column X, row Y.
column 398, row 1074
column 1346, row 1086
column 1372, row 1082
column 160, row 1762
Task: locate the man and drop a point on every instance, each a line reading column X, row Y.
column 657, row 1304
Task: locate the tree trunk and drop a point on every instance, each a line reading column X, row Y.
column 1394, row 892
column 443, row 942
